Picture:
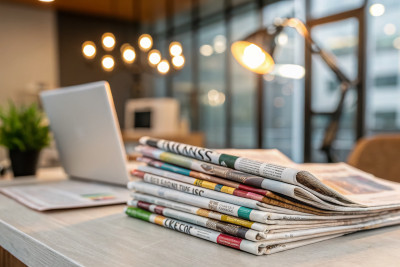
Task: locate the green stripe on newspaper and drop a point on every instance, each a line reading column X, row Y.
column 138, row 213
column 227, row 160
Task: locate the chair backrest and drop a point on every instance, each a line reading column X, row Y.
column 379, row 155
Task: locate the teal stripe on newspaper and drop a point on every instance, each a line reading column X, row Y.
column 218, row 187
column 244, row 213
column 169, row 167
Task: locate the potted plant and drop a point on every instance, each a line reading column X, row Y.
column 23, row 133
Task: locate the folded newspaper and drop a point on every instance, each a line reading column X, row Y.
column 258, row 201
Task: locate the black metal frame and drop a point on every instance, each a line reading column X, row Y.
column 228, row 70
column 359, row 84
column 260, row 93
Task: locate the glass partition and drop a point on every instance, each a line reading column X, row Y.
column 243, row 83
column 340, row 39
column 383, row 95
column 211, row 95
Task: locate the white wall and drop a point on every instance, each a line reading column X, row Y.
column 28, row 52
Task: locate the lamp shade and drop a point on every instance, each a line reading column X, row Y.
column 256, row 50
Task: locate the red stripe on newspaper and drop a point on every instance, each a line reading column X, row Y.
column 159, row 210
column 143, row 205
column 246, row 194
column 253, row 189
column 229, row 241
column 137, row 173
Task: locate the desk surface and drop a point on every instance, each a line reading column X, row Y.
column 105, row 236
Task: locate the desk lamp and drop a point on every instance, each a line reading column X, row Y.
column 256, row 51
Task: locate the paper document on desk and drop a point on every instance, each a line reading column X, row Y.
column 66, row 194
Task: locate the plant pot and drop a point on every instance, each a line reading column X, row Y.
column 24, row 162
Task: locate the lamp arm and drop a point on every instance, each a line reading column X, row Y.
column 329, row 60
column 315, row 48
column 333, row 126
column 345, row 84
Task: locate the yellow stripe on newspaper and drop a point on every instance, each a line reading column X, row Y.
column 228, row 190
column 159, row 220
column 214, row 186
column 237, row 221
column 224, row 218
column 203, row 213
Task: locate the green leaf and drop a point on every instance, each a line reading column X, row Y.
column 21, row 128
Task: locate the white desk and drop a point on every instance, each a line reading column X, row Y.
column 105, row 236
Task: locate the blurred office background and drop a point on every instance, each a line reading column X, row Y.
column 41, row 48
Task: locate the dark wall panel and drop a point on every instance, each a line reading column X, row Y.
column 75, row 29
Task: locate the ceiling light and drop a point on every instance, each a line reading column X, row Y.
column 215, row 98
column 163, row 66
column 128, row 53
column 178, row 62
column 108, row 63
column 219, row 44
column 253, row 56
column 396, row 43
column 145, row 42
column 46, row 1
column 389, row 29
column 175, row 49
column 377, row 10
column 154, row 57
column 206, row 50
column 291, row 71
column 89, row 50
column 108, row 41
column 282, row 39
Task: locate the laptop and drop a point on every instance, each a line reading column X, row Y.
column 88, row 139
column 87, row 133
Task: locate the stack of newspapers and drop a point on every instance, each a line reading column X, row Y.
column 257, row 201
